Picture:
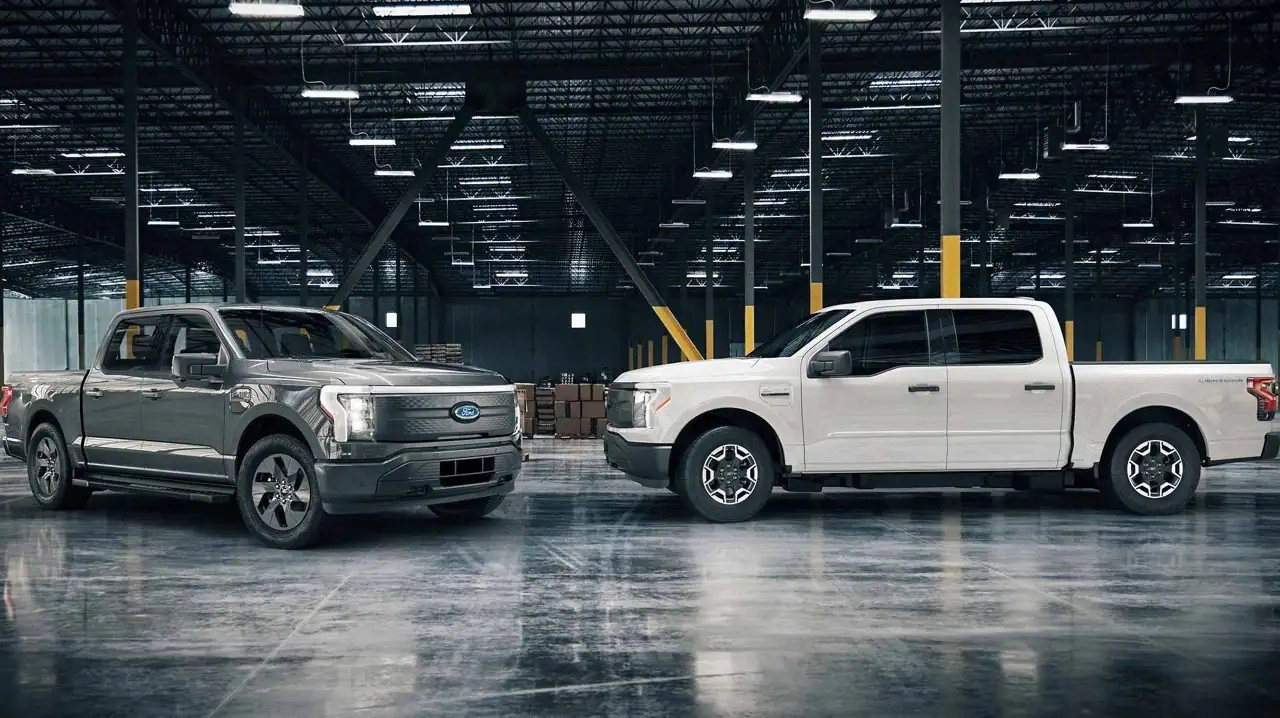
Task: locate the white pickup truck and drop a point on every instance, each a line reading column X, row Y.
column 934, row 393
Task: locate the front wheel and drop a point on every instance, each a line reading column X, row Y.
column 1153, row 470
column 278, row 495
column 468, row 510
column 726, row 475
column 49, row 471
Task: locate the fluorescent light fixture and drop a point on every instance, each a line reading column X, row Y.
column 852, row 137
column 1144, row 224
column 878, row 108
column 1109, row 176
column 478, row 146
column 512, row 275
column 1023, row 254
column 698, row 202
column 905, row 225
column 783, row 174
column 1086, row 146
column 449, row 118
column 1220, row 203
column 432, row 223
column 1037, row 217
column 1202, row 99
column 163, row 222
column 424, row 43
column 907, row 82
column 1247, row 223
column 1019, row 175
column 486, row 181
column 674, row 225
column 435, row 10
column 442, row 93
column 27, row 127
column 92, row 155
column 167, row 188
column 1245, row 209
column 42, row 171
column 497, row 208
column 1240, row 276
column 326, row 93
column 787, row 98
column 829, row 14
column 1239, row 140
column 393, row 173
column 372, row 142
column 1148, row 265
column 712, row 174
column 266, row 9
column 1237, row 158
column 1037, row 204
column 500, row 221
column 746, row 145
column 8, row 100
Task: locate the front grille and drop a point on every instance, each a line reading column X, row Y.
column 428, row 417
column 618, row 407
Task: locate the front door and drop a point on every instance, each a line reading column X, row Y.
column 183, row 421
column 891, row 413
column 112, row 413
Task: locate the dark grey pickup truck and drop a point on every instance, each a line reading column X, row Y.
column 295, row 414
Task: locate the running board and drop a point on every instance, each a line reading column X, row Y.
column 1019, row 480
column 204, row 493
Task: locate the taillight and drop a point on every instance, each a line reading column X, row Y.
column 6, row 396
column 1264, row 388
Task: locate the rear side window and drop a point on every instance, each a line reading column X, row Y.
column 995, row 336
column 885, row 341
column 134, row 345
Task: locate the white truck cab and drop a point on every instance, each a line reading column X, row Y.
column 933, row 392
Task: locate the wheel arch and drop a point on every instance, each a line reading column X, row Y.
column 42, row 415
column 264, row 424
column 713, row 418
column 1156, row 415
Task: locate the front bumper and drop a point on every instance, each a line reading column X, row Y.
column 419, row 477
column 646, row 464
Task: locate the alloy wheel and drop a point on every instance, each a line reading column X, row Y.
column 280, row 491
column 1155, row 469
column 48, row 467
column 730, row 474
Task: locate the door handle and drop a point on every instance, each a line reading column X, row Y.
column 152, row 394
column 1039, row 387
column 933, row 388
column 93, row 393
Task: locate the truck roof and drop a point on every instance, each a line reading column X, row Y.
column 933, row 302
column 213, row 306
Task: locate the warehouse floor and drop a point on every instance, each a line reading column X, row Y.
column 587, row 595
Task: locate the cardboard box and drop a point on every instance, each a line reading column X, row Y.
column 568, row 392
column 584, row 392
column 593, row 410
column 568, row 427
column 568, row 410
column 597, row 392
column 527, row 426
column 593, row 427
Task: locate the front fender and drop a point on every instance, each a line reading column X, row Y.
column 299, row 406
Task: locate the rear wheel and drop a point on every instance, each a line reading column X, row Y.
column 278, row 495
column 49, row 470
column 726, row 475
column 1152, row 470
column 468, row 510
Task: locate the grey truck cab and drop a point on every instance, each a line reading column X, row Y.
column 295, row 414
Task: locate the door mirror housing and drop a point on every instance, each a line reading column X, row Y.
column 826, row 364
column 196, row 366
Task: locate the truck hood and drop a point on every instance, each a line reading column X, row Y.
column 691, row 371
column 380, row 372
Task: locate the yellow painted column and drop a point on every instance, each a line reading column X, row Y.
column 677, row 332
column 749, row 316
column 132, row 293
column 631, row 358
column 1202, row 335
column 651, row 352
column 640, row 355
column 664, row 349
column 1177, row 347
column 1069, row 334
column 711, row 339
column 950, row 266
column 1097, row 351
column 815, row 297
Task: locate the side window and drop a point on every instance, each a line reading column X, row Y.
column 134, row 345
column 189, row 334
column 995, row 336
column 885, row 341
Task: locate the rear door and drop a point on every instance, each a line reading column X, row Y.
column 112, row 401
column 891, row 413
column 1009, row 391
column 183, row 421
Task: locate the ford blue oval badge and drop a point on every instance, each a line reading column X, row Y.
column 465, row 412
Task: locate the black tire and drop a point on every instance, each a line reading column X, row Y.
column 52, row 489
column 468, row 510
column 1151, row 495
column 273, row 522
column 749, row 500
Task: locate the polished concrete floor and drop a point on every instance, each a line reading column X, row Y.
column 587, row 595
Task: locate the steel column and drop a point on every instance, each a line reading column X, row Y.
column 129, row 67
column 80, row 308
column 984, row 251
column 708, row 263
column 239, row 160
column 399, row 295
column 1257, row 306
column 397, row 212
column 304, row 234
column 186, row 283
column 1069, row 256
column 1097, row 302
column 610, row 236
column 815, row 166
column 1202, row 191
column 748, row 246
column 949, row 152
column 377, row 291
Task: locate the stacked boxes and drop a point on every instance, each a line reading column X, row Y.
column 579, row 410
column 526, row 399
column 439, row 353
column 544, row 405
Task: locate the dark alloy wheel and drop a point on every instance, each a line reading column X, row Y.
column 277, row 493
column 1153, row 469
column 468, row 510
column 49, row 470
column 726, row 475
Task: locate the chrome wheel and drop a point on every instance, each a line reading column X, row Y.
column 281, row 493
column 48, row 467
column 1155, row 469
column 730, row 474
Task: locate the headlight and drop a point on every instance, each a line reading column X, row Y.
column 641, row 400
column 352, row 413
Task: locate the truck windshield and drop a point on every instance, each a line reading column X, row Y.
column 268, row 334
column 793, row 340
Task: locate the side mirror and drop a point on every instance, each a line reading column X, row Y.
column 831, row 364
column 196, row 366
